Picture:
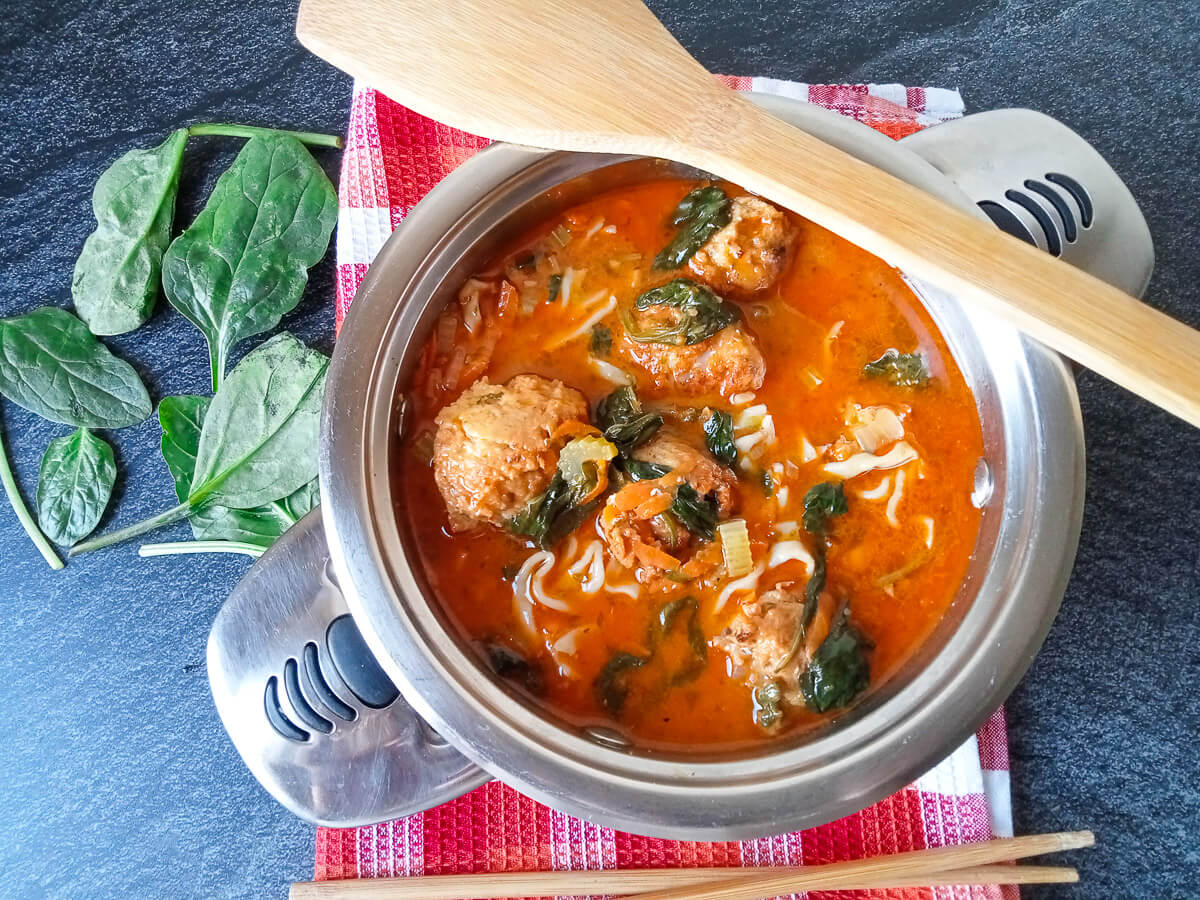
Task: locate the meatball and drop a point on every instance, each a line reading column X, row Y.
column 761, row 639
column 750, row 252
column 493, row 451
column 727, row 363
column 651, row 543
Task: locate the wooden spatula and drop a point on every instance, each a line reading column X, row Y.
column 605, row 76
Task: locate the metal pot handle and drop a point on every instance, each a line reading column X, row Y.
column 309, row 709
column 1040, row 181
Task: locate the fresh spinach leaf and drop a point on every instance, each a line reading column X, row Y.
column 701, row 314
column 640, row 470
column 258, row 442
column 699, row 215
column 22, row 511
column 117, row 273
column 697, row 514
column 768, row 704
column 624, row 422
column 822, row 502
column 838, row 671
column 509, row 664
column 52, row 365
column 601, row 340
column 900, row 369
column 182, row 419
column 718, row 436
column 612, row 684
column 74, row 485
column 244, row 262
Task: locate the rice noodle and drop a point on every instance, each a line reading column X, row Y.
column 788, row 551
column 528, row 588
column 742, row 399
column 787, row 529
column 781, row 497
column 568, row 280
column 587, row 324
column 596, row 226
column 927, row 521
column 591, row 567
column 894, row 500
column 609, row 372
column 807, row 452
column 861, row 463
column 745, row 583
column 879, row 491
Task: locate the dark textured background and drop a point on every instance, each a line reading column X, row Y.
column 116, row 779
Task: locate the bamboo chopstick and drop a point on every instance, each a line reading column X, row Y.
column 965, row 864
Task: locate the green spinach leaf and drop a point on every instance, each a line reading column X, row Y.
column 258, row 442
column 822, row 502
column 624, row 422
column 552, row 515
column 244, row 262
column 640, row 470
column 695, row 637
column 182, row 419
column 697, row 514
column 508, row 663
column 52, row 365
column 900, row 369
column 75, row 483
column 699, row 215
column 718, row 436
column 701, row 314
column 838, row 671
column 117, row 273
column 612, row 684
column 601, row 340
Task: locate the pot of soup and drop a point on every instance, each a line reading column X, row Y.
column 666, row 506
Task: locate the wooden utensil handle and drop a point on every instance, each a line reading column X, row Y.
column 1075, row 313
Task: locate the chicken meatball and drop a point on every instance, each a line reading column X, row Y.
column 493, row 451
column 647, row 539
column 750, row 252
column 727, row 363
column 761, row 641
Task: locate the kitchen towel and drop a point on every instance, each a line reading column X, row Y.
column 393, row 157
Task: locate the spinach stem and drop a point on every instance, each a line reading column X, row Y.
column 181, row 547
column 23, row 515
column 216, row 362
column 313, row 139
column 130, row 531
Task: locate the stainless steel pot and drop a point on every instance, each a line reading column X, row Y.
column 308, row 697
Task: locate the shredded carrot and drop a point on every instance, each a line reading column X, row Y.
column 601, row 485
column 633, row 495
column 653, row 556
column 657, row 503
column 573, row 428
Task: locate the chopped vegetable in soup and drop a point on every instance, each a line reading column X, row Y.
column 688, row 466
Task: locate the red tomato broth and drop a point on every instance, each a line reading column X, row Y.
column 826, row 281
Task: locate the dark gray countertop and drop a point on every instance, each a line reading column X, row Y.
column 117, row 779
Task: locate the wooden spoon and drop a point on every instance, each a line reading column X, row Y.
column 605, row 76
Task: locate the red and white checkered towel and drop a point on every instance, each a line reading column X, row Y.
column 393, row 157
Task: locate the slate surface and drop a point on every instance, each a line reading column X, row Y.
column 116, row 779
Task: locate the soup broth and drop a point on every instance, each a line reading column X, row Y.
column 689, row 467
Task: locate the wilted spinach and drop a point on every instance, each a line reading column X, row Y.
column 52, row 365
column 900, row 369
column 601, row 340
column 244, row 262
column 117, row 273
column 554, row 286
column 838, row 671
column 718, row 436
column 701, row 314
column 509, row 664
column 612, row 684
column 624, row 422
column 699, row 215
column 259, row 438
column 695, row 637
column 822, row 502
column 74, row 485
column 550, row 516
column 182, row 419
column 695, row 513
column 640, row 470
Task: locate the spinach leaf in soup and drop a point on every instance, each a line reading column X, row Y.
column 699, row 215
column 612, row 684
column 74, row 485
column 601, row 344
column 639, row 470
column 623, row 421
column 899, row 369
column 838, row 671
column 554, row 285
column 718, row 437
column 258, row 441
column 511, row 665
column 823, row 502
column 52, row 365
column 182, row 419
column 697, row 514
column 561, row 508
column 243, row 263
column 117, row 274
column 697, row 644
column 699, row 314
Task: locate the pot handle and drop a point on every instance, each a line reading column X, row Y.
column 314, row 717
column 1040, row 181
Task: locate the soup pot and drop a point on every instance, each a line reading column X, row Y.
column 352, row 699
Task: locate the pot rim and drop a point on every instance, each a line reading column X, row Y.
column 970, row 664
